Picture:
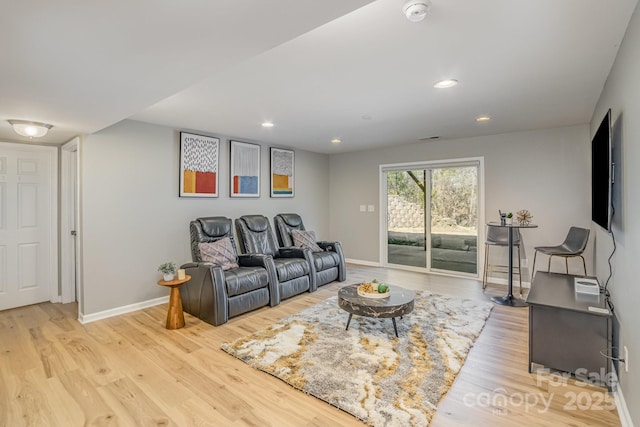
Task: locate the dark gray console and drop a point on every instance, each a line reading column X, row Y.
column 568, row 331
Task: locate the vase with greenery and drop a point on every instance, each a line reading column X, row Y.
column 168, row 270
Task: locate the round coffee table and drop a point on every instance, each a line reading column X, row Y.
column 399, row 303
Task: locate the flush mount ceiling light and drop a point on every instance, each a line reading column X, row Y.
column 416, row 10
column 30, row 129
column 445, row 84
column 336, row 141
column 267, row 125
column 483, row 119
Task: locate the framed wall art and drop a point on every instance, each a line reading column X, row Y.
column 282, row 172
column 245, row 169
column 199, row 159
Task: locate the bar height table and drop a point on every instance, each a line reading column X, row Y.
column 509, row 299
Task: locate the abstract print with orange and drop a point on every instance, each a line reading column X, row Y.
column 200, row 165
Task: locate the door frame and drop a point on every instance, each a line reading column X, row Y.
column 69, row 248
column 428, row 164
column 54, row 293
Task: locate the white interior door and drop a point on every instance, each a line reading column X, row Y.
column 28, row 213
column 69, row 282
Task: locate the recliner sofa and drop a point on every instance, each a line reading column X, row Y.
column 295, row 272
column 329, row 264
column 214, row 295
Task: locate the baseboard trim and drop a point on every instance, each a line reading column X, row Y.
column 88, row 318
column 361, row 262
column 621, row 404
column 495, row 281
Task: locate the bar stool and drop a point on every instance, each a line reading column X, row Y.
column 499, row 236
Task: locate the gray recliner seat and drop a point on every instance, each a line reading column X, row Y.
column 214, row 295
column 329, row 263
column 295, row 272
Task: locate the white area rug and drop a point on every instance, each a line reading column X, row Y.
column 367, row 371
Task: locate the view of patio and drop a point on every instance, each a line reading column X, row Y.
column 453, row 228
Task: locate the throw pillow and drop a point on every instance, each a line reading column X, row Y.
column 305, row 239
column 220, row 253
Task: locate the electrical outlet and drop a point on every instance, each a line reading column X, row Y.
column 626, row 359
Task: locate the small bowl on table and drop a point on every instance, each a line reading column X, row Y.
column 369, row 290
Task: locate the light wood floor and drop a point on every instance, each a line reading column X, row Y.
column 130, row 370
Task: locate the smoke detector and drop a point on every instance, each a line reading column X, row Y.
column 416, row 10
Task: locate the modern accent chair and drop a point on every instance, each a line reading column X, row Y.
column 573, row 246
column 230, row 284
column 295, row 272
column 328, row 262
column 499, row 236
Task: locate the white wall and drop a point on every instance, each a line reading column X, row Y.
column 622, row 94
column 545, row 171
column 133, row 219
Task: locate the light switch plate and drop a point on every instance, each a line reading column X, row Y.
column 363, row 208
column 371, row 208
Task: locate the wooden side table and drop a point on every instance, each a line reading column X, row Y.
column 175, row 315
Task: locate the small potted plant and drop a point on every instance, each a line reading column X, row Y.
column 168, row 270
column 509, row 218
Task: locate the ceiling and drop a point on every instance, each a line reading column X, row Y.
column 349, row 69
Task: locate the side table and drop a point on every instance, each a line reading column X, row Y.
column 175, row 315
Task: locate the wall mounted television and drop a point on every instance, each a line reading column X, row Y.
column 602, row 174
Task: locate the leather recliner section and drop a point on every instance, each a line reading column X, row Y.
column 213, row 294
column 329, row 264
column 295, row 272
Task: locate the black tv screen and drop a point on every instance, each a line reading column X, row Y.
column 601, row 174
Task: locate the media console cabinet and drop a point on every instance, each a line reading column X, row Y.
column 568, row 331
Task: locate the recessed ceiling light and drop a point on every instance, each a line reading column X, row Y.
column 445, row 84
column 267, row 124
column 482, row 119
column 336, row 141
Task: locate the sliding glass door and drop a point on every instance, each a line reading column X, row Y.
column 407, row 218
column 432, row 216
column 454, row 219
